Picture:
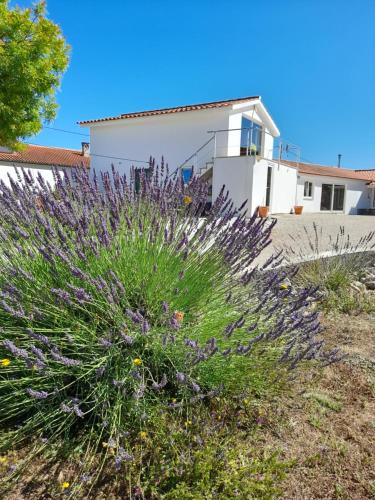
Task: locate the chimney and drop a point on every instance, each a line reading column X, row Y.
column 85, row 148
column 339, row 160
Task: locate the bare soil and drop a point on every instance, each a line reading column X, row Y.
column 327, row 422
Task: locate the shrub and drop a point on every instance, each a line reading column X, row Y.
column 333, row 267
column 118, row 299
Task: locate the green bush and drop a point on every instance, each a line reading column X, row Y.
column 120, row 303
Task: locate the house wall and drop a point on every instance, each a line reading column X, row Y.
column 7, row 169
column 246, row 179
column 356, row 193
column 283, row 188
column 236, row 174
column 174, row 136
column 258, row 184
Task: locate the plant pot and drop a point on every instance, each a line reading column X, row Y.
column 298, row 209
column 263, row 211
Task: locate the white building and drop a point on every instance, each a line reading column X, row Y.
column 41, row 160
column 231, row 143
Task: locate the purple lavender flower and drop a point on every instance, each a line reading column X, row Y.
column 105, row 342
column 57, row 356
column 145, row 327
column 100, row 371
column 38, row 336
column 37, row 394
column 181, row 377
column 77, row 410
column 65, row 408
column 38, row 353
column 16, row 351
column 157, row 386
column 127, row 338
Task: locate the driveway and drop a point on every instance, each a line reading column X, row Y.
column 294, row 232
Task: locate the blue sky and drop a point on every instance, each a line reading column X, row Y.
column 312, row 61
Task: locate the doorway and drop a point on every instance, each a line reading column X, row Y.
column 332, row 198
column 268, row 186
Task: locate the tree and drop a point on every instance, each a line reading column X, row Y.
column 33, row 57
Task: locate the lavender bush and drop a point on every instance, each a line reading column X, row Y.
column 118, row 298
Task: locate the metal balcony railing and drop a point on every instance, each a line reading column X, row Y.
column 235, row 142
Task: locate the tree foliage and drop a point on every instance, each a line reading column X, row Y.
column 33, row 58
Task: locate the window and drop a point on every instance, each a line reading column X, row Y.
column 308, row 189
column 338, row 197
column 251, row 137
column 141, row 175
column 333, row 197
column 187, row 173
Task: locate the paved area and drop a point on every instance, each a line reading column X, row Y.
column 293, row 232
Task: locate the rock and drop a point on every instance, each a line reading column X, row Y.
column 370, row 285
column 358, row 286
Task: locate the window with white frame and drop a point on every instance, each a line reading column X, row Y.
column 308, row 189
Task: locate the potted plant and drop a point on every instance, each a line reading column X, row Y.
column 263, row 211
column 298, row 209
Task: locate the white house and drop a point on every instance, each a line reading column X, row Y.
column 231, row 143
column 41, row 160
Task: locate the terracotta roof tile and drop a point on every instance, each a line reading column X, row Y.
column 314, row 169
column 43, row 155
column 369, row 172
column 178, row 109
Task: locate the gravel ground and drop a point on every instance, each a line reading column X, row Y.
column 290, row 231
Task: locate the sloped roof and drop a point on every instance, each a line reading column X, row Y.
column 178, row 109
column 43, row 155
column 369, row 172
column 314, row 169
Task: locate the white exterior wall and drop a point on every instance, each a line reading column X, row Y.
column 174, row 136
column 7, row 169
column 268, row 141
column 259, row 184
column 356, row 193
column 237, row 175
column 283, row 188
column 234, row 136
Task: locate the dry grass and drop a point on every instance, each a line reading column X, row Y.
column 328, row 421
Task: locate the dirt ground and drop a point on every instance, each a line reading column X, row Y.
column 327, row 423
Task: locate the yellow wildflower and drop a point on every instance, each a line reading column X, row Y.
column 143, row 435
column 284, row 286
column 5, row 362
column 188, row 423
column 187, row 200
column 65, row 485
column 137, row 361
column 3, row 460
column 179, row 316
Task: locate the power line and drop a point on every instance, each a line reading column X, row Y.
column 67, row 131
column 101, row 156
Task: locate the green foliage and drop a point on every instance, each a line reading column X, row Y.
column 333, row 266
column 33, row 57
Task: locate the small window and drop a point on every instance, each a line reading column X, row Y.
column 251, row 137
column 187, row 173
column 308, row 189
